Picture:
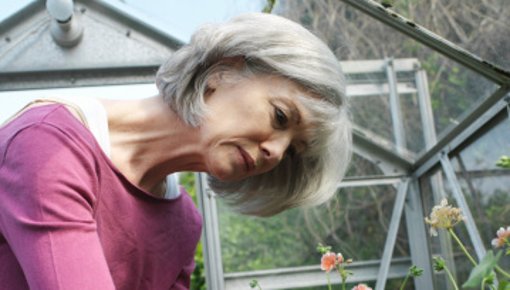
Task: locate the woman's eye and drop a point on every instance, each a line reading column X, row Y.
column 280, row 117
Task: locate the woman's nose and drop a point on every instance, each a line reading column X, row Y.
column 274, row 148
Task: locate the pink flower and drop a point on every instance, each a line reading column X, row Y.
column 328, row 261
column 340, row 258
column 361, row 287
column 502, row 238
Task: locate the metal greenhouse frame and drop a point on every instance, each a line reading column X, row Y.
column 408, row 198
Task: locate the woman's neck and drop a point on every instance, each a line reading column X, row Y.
column 149, row 141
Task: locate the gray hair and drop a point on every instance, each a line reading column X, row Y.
column 270, row 44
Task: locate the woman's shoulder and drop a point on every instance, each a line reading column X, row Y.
column 43, row 148
column 56, row 116
column 49, row 128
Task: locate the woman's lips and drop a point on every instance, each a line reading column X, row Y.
column 248, row 161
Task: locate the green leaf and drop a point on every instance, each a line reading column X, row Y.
column 482, row 270
column 323, row 249
column 504, row 285
column 415, row 271
column 504, row 162
column 439, row 263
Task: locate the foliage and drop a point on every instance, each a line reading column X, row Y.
column 353, row 221
column 414, row 271
column 483, row 272
column 504, row 285
column 251, row 243
column 504, row 162
column 440, row 265
column 269, row 6
column 484, row 269
column 255, row 284
column 187, row 180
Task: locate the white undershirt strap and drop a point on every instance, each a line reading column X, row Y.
column 96, row 118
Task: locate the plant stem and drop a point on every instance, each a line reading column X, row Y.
column 502, row 272
column 451, row 278
column 452, row 233
column 498, row 269
column 342, row 275
column 329, row 281
column 405, row 281
column 490, row 286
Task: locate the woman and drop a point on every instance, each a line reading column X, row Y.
column 258, row 103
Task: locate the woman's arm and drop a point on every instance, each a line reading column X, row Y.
column 183, row 281
column 48, row 191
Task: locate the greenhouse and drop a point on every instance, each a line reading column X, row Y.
column 429, row 90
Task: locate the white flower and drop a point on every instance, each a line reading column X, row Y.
column 443, row 216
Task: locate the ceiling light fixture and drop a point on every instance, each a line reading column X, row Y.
column 65, row 28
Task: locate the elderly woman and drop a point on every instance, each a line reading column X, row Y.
column 258, row 103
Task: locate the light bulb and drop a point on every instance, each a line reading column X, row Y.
column 62, row 10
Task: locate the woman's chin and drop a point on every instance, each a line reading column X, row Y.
column 227, row 176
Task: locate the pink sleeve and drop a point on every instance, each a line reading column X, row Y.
column 48, row 188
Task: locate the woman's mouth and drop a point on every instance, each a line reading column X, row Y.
column 248, row 161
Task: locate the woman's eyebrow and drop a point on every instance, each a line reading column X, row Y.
column 295, row 113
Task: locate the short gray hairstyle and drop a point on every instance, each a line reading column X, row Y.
column 273, row 45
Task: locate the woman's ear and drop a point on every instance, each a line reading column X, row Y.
column 228, row 68
column 214, row 80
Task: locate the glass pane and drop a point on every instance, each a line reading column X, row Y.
column 360, row 166
column 7, row 8
column 413, row 126
column 485, row 185
column 373, row 112
column 454, row 90
column 371, row 103
column 185, row 18
column 354, row 223
column 481, row 27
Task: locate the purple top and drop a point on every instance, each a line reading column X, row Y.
column 70, row 220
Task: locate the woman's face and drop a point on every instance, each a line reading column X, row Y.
column 251, row 123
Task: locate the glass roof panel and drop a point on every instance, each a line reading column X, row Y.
column 482, row 27
column 8, row 8
column 423, row 79
column 484, row 152
column 186, row 16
